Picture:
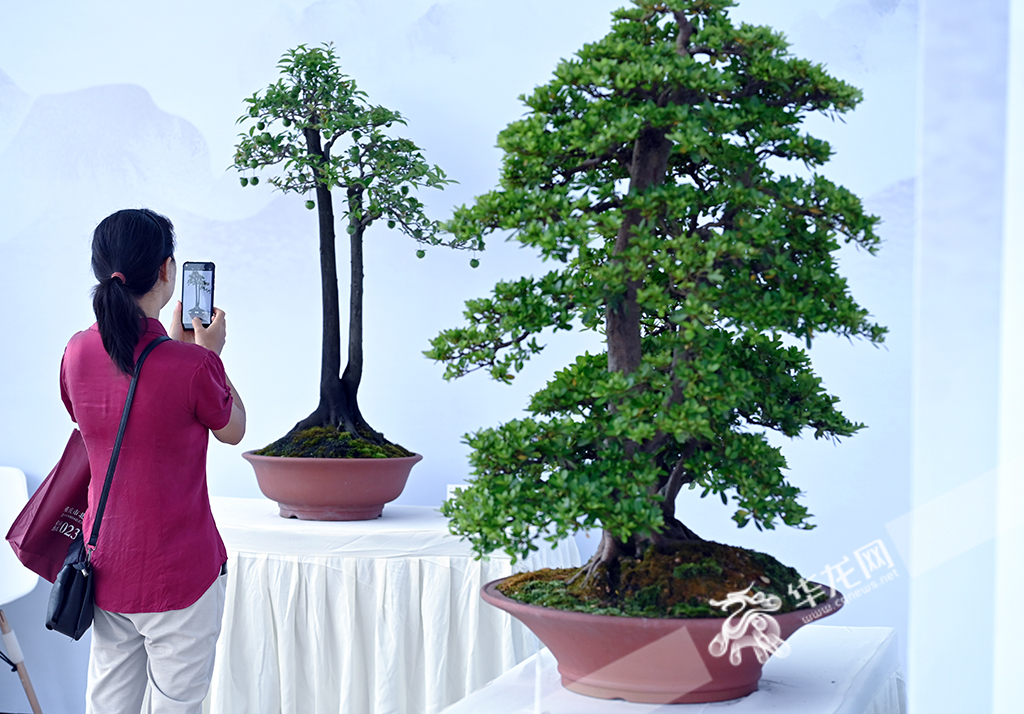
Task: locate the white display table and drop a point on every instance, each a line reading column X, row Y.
column 830, row 670
column 374, row 617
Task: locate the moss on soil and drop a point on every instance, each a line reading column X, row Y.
column 667, row 582
column 330, row 442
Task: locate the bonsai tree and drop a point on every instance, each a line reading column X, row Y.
column 198, row 280
column 649, row 173
column 319, row 131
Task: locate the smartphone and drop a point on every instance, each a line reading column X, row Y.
column 197, row 293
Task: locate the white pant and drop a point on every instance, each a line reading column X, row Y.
column 170, row 652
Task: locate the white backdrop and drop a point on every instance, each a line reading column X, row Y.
column 111, row 104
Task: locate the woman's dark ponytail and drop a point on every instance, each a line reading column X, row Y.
column 128, row 249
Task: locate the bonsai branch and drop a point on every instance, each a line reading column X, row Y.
column 676, row 480
column 685, row 31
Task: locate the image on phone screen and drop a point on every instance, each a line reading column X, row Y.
column 196, row 293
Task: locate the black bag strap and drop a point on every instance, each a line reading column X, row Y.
column 117, row 442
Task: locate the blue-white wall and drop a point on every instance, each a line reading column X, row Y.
column 111, row 104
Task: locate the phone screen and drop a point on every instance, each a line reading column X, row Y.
column 196, row 293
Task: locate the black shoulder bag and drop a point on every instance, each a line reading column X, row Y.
column 70, row 609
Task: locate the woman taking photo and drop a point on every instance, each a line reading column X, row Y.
column 159, row 561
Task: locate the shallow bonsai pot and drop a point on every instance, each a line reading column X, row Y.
column 656, row 661
column 331, row 489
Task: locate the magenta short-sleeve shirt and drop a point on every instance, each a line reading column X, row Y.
column 158, row 546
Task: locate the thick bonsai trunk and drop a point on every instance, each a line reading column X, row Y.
column 338, row 395
column 649, row 165
column 648, row 168
column 610, row 550
column 622, row 321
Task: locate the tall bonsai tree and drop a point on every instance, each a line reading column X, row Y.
column 322, row 134
column 649, row 172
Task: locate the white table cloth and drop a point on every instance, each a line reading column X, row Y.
column 381, row 617
column 830, row 670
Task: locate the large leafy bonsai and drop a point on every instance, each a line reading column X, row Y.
column 649, row 174
column 318, row 130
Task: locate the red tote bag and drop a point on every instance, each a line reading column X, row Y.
column 52, row 518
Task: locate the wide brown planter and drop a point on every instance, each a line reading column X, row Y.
column 331, row 489
column 657, row 661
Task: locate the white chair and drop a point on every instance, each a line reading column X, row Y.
column 15, row 579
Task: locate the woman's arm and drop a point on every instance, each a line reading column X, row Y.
column 213, row 338
column 235, row 429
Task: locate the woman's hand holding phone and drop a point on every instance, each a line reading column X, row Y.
column 212, row 337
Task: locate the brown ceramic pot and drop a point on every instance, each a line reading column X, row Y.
column 331, row 489
column 658, row 661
